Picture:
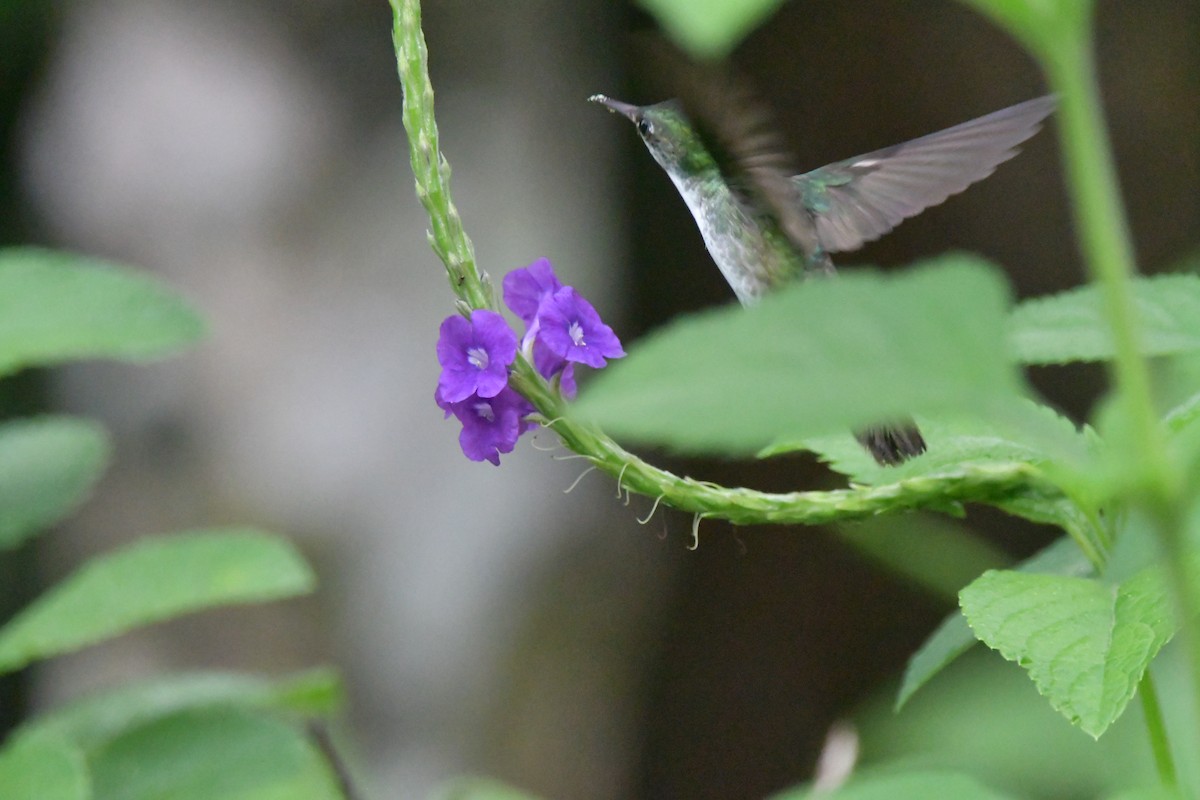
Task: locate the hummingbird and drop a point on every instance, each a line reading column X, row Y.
column 765, row 227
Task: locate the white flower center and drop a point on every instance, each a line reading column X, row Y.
column 576, row 333
column 477, row 357
column 485, row 412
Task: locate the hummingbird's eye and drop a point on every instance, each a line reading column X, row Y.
column 644, row 127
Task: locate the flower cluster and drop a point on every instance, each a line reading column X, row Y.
column 561, row 330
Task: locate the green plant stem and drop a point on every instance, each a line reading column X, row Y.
column 1106, row 244
column 432, row 171
column 1084, row 528
column 1159, row 744
column 1104, row 236
column 993, row 483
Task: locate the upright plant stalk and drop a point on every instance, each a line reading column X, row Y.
column 1059, row 34
column 1105, row 241
column 432, row 171
column 1160, row 746
column 1106, row 244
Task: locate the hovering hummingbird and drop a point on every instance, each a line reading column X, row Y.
column 765, row 226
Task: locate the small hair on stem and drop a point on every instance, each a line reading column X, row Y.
column 575, row 483
column 621, row 477
column 695, row 545
column 653, row 508
column 533, row 443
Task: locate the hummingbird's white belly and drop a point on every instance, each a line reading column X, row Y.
column 733, row 237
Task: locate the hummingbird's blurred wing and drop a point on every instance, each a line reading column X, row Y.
column 860, row 199
column 738, row 130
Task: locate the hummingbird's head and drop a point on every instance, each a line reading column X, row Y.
column 668, row 134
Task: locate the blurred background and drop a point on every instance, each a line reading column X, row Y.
column 251, row 154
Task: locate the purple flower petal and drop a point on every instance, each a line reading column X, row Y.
column 442, row 403
column 475, row 355
column 525, row 288
column 566, row 382
column 548, row 364
column 571, row 329
column 491, row 425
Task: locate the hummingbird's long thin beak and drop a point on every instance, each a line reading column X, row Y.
column 616, row 106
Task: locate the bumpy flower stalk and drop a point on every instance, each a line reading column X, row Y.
column 432, row 171
column 988, row 483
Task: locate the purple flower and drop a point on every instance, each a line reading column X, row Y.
column 548, row 364
column 571, row 329
column 474, row 355
column 491, row 425
column 561, row 329
column 524, row 289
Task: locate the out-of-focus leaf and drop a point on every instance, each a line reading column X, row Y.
column 152, row 580
column 932, row 552
column 814, row 358
column 1021, row 431
column 895, row 785
column 1071, row 326
column 709, row 28
column 1045, row 27
column 91, row 722
column 43, row 768
column 57, row 307
column 47, row 467
column 203, row 754
column 1150, row 793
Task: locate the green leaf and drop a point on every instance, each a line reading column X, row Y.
column 932, row 552
column 949, row 640
column 91, row 722
column 152, row 580
column 986, row 718
column 1021, row 431
column 709, row 28
column 1071, row 326
column 202, row 754
column 954, row 636
column 56, row 307
column 47, row 467
column 479, row 789
column 43, row 768
column 1183, row 414
column 1085, row 643
column 815, row 358
column 1177, row 388
column 914, row 785
column 1043, row 26
column 1150, row 793
column 315, row 692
